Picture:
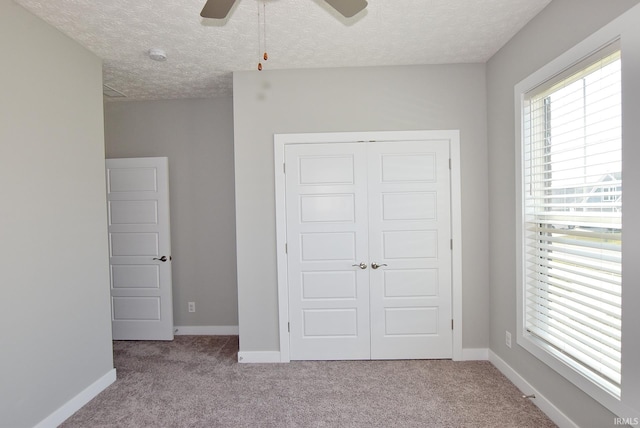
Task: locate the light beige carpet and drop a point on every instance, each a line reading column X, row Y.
column 195, row 381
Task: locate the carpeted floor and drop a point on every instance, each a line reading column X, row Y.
column 195, row 381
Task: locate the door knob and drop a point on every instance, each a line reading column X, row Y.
column 375, row 265
column 162, row 259
column 362, row 265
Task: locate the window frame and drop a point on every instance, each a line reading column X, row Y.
column 537, row 111
column 621, row 29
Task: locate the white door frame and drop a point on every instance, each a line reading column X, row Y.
column 280, row 142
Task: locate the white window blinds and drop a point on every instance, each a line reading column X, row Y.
column 573, row 216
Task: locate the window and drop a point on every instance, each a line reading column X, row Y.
column 611, row 194
column 572, row 217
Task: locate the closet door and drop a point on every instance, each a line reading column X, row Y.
column 409, row 238
column 326, row 208
column 368, row 250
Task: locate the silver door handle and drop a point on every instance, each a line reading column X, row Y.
column 362, row 265
column 375, row 265
column 162, row 259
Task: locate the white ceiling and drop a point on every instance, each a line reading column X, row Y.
column 203, row 53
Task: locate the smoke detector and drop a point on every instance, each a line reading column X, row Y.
column 157, row 54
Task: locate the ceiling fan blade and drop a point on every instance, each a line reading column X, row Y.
column 347, row 8
column 217, row 9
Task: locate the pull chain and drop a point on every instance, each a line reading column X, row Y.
column 262, row 35
column 259, row 38
column 264, row 29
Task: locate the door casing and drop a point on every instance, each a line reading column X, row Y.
column 280, row 142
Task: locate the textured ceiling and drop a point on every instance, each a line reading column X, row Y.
column 203, row 53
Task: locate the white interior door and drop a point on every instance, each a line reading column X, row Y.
column 409, row 237
column 139, row 248
column 351, row 207
column 327, row 222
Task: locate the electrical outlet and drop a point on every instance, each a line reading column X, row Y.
column 192, row 306
column 507, row 339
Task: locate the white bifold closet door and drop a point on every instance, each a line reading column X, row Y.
column 368, row 250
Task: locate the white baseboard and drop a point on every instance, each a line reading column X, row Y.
column 525, row 387
column 206, row 330
column 259, row 357
column 76, row 403
column 475, row 354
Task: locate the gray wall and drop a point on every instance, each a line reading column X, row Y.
column 55, row 338
column 352, row 99
column 197, row 137
column 560, row 26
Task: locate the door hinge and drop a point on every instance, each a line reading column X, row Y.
column 284, row 168
column 451, row 324
column 289, row 327
column 449, row 163
column 286, row 248
column 452, row 244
